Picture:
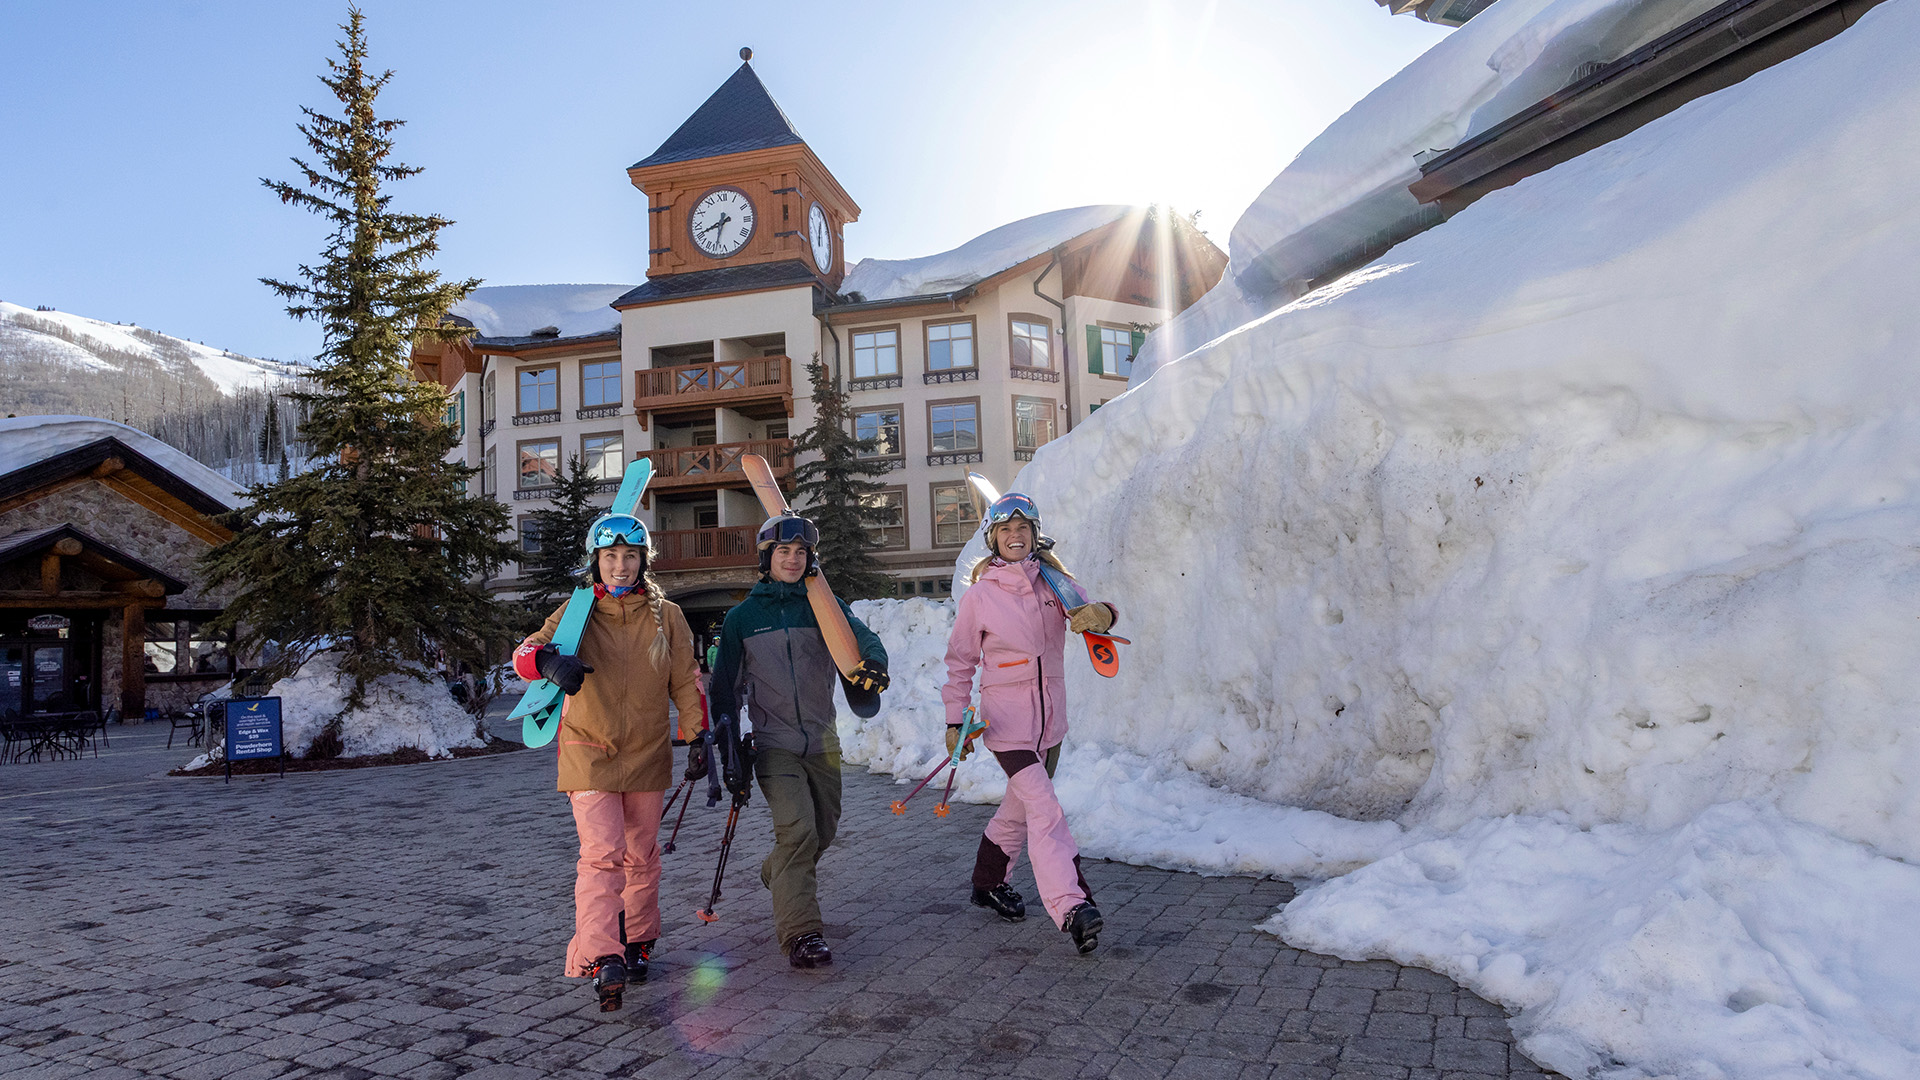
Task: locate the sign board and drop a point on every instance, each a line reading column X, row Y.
column 253, row 730
column 49, row 622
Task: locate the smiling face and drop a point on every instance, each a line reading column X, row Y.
column 619, row 565
column 789, row 562
column 1013, row 540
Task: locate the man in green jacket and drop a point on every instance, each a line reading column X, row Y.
column 774, row 661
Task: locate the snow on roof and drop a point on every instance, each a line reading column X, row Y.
column 229, row 371
column 27, row 440
column 518, row 310
column 979, row 258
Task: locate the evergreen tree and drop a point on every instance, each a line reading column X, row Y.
column 833, row 483
column 373, row 549
column 563, row 538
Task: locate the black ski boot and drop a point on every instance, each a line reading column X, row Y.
column 1084, row 923
column 609, row 979
column 1006, row 903
column 808, row 951
column 638, row 955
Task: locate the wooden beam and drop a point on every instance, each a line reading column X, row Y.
column 40, row 601
column 50, row 573
column 133, row 662
column 67, row 545
column 200, row 526
column 108, row 467
column 142, row 587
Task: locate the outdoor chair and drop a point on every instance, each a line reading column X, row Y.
column 188, row 719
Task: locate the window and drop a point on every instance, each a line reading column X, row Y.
column 953, row 516
column 209, row 651
column 1032, row 424
column 602, row 454
column 163, row 648
column 539, row 463
column 529, row 535
column 706, row 517
column 776, row 429
column 883, row 424
column 599, row 384
column 705, row 437
column 953, row 426
column 884, row 514
column 1110, row 350
column 539, row 390
column 1031, row 342
column 486, row 400
column 876, row 353
column 488, row 478
column 949, row 345
column 457, row 413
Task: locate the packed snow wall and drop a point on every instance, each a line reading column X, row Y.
column 1598, row 499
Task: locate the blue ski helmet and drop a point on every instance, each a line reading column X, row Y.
column 614, row 529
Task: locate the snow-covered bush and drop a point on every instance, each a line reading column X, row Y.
column 400, row 712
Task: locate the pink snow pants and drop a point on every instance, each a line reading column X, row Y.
column 1031, row 812
column 618, row 873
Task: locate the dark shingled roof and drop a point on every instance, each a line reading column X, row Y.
column 723, row 279
column 541, row 341
column 740, row 116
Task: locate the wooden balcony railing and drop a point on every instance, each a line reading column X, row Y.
column 721, row 382
column 714, row 465
column 704, row 549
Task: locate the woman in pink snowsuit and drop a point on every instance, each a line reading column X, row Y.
column 1012, row 629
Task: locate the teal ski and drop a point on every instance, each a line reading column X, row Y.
column 539, row 708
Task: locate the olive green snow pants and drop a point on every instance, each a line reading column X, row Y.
column 803, row 794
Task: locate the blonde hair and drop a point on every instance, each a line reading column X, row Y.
column 656, row 596
column 1045, row 555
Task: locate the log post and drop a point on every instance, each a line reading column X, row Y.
column 133, row 663
column 50, row 573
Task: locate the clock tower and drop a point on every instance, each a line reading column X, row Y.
column 735, row 186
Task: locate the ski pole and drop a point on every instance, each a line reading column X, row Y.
column 685, row 786
column 726, row 844
column 971, row 724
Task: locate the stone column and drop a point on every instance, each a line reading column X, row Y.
column 133, row 658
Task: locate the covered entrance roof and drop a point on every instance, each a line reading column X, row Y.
column 123, row 578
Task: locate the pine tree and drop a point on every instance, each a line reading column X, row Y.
column 832, row 484
column 373, row 550
column 563, row 537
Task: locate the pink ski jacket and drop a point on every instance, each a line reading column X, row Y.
column 1010, row 627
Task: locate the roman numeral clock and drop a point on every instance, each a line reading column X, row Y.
column 721, row 222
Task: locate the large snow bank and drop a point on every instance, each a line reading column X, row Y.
column 979, row 258
column 230, row 372
column 1576, row 538
column 27, row 440
column 1350, row 183
column 519, row 310
column 401, row 712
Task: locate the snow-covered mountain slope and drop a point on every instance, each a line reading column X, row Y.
column 92, row 345
column 1576, row 537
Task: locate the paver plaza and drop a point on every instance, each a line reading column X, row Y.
column 410, row 922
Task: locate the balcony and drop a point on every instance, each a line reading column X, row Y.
column 714, row 466
column 760, row 387
column 704, row 549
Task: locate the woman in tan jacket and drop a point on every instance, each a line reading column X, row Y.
column 616, row 749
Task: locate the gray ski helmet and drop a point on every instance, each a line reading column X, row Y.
column 613, row 529
column 788, row 529
column 1004, row 509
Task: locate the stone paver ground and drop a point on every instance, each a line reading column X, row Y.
column 410, row 922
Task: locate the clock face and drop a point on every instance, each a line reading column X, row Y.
column 722, row 222
column 820, row 237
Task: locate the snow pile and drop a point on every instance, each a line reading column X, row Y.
column 1350, row 183
column 519, row 310
column 1576, row 537
column 400, row 712
column 1741, row 944
column 979, row 258
column 27, row 440
column 78, row 340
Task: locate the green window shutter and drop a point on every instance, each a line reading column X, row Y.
column 1139, row 339
column 1093, row 350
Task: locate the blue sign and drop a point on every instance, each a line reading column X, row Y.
column 253, row 728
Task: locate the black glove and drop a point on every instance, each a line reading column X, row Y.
column 736, row 758
column 870, row 677
column 697, row 757
column 563, row 671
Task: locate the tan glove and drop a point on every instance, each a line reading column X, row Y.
column 1095, row 618
column 953, row 740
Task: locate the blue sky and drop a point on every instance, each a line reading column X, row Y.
column 136, row 133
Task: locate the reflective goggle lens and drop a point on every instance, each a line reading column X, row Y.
column 620, row 530
column 791, row 530
column 1006, row 506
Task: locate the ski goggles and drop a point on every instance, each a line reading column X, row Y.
column 1011, row 505
column 617, row 529
column 788, row 530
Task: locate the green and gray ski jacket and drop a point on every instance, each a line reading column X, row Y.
column 774, row 661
